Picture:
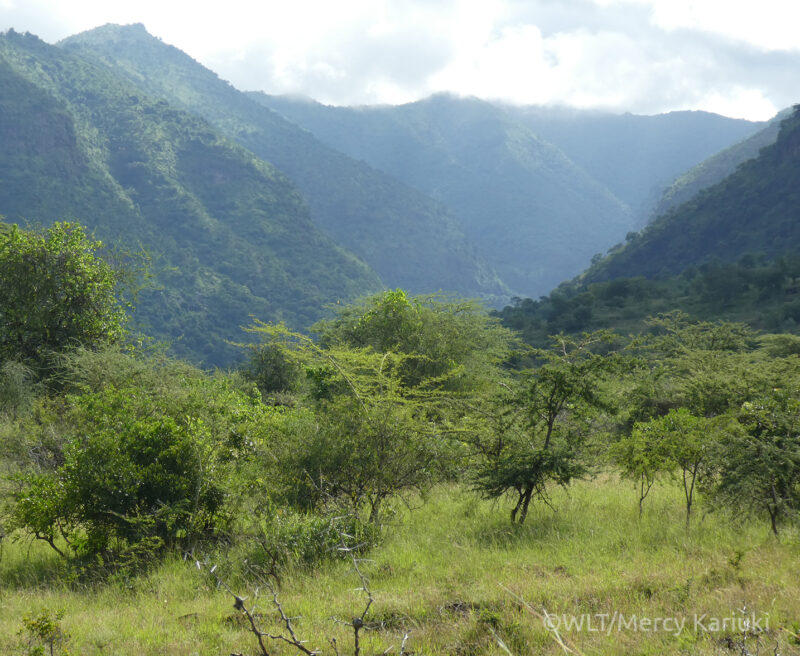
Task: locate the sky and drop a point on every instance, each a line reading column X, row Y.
column 739, row 58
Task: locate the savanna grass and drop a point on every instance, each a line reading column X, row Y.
column 460, row 579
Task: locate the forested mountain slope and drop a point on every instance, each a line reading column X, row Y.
column 731, row 253
column 636, row 157
column 719, row 166
column 408, row 238
column 756, row 209
column 231, row 235
column 537, row 215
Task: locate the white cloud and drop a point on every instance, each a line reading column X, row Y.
column 734, row 56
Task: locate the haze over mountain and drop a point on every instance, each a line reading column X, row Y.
column 756, row 209
column 731, row 252
column 408, row 238
column 77, row 141
column 635, row 157
column 719, row 166
column 538, row 217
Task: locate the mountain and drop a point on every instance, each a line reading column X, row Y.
column 635, row 157
column 408, row 238
column 230, row 233
column 756, row 209
column 538, row 217
column 719, row 166
column 732, row 253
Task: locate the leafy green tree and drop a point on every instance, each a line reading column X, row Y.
column 756, row 469
column 55, row 292
column 677, row 441
column 136, row 465
column 641, row 459
column 542, row 424
column 367, row 436
column 452, row 340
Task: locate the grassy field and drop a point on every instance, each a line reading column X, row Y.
column 459, row 579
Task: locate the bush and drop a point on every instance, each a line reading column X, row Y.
column 139, row 468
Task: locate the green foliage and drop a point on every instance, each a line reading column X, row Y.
column 370, row 437
column 450, row 340
column 405, row 236
column 56, row 293
column 676, row 441
column 540, row 428
column 756, row 290
column 757, row 469
column 17, row 388
column 752, row 210
column 43, row 635
column 229, row 234
column 136, row 467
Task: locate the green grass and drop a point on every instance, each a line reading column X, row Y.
column 452, row 573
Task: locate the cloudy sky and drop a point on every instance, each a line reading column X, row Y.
column 735, row 57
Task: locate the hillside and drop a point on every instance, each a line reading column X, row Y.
column 231, row 235
column 756, row 209
column 730, row 253
column 636, row 157
column 408, row 238
column 719, row 166
column 538, row 217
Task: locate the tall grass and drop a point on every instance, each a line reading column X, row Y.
column 454, row 573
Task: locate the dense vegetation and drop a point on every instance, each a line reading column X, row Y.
column 757, row 290
column 121, row 461
column 718, row 167
column 753, row 210
column 536, row 216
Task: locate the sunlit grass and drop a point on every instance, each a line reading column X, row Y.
column 451, row 573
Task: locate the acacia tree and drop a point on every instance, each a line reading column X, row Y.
column 756, row 469
column 55, row 292
column 675, row 442
column 381, row 382
column 541, row 424
column 641, row 459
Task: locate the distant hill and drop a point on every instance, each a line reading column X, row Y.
column 231, row 234
column 719, row 166
column 408, row 238
column 732, row 252
column 755, row 209
column 635, row 157
column 537, row 216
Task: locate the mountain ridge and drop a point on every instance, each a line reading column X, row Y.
column 367, row 211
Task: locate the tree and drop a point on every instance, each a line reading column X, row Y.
column 676, row 441
column 55, row 292
column 142, row 464
column 369, row 437
column 641, row 459
column 756, row 469
column 541, row 424
column 447, row 339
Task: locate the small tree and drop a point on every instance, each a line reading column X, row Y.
column 370, row 437
column 676, row 441
column 641, row 459
column 757, row 468
column 541, row 424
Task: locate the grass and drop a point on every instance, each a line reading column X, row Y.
column 454, row 574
